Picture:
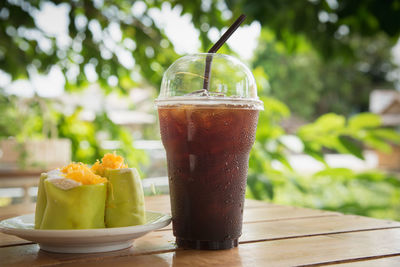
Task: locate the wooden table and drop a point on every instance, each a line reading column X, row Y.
column 273, row 235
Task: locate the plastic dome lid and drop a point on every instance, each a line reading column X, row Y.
column 230, row 81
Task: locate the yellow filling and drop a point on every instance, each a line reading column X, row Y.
column 81, row 173
column 109, row 161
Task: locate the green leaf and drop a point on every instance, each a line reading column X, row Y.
column 282, row 159
column 377, row 143
column 260, row 186
column 331, row 121
column 387, row 134
column 323, row 129
column 364, row 120
column 335, row 172
column 316, row 154
column 268, row 186
column 275, row 108
column 351, row 147
column 298, row 185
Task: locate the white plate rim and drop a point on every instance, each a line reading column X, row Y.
column 160, row 222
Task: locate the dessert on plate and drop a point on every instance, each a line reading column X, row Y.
column 78, row 197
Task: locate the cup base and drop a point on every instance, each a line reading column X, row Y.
column 206, row 245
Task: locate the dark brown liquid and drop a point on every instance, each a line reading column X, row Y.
column 207, row 152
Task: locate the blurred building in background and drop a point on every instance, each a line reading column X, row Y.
column 386, row 103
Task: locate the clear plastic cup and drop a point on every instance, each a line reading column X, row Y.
column 208, row 135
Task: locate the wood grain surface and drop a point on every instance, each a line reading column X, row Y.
column 273, row 235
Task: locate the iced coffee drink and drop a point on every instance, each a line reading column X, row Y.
column 208, row 135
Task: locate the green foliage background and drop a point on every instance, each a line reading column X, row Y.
column 316, row 56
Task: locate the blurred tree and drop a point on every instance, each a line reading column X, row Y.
column 104, row 36
column 271, row 176
column 319, row 55
column 311, row 86
column 329, row 25
column 332, row 27
column 115, row 41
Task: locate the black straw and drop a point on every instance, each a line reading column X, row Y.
column 217, row 45
column 227, row 34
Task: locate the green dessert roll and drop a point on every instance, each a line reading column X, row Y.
column 71, row 198
column 125, row 199
column 81, row 207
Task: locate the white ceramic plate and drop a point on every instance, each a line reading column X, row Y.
column 85, row 240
